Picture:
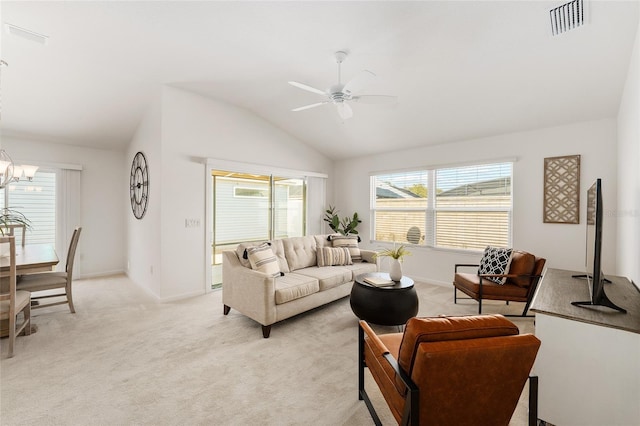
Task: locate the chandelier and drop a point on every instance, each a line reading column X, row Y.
column 10, row 172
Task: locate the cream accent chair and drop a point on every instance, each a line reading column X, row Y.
column 53, row 280
column 13, row 301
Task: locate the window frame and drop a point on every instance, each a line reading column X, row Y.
column 431, row 210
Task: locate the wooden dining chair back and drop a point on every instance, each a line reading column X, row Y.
column 13, row 301
column 10, row 229
column 54, row 280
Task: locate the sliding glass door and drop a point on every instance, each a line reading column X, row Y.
column 253, row 207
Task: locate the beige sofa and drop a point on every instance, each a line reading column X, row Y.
column 300, row 286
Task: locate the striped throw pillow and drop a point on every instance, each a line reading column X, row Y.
column 262, row 259
column 348, row 241
column 332, row 256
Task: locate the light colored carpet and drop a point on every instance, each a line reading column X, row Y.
column 123, row 359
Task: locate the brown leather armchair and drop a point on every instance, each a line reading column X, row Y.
column 524, row 274
column 450, row 370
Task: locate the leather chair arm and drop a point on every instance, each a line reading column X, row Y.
column 381, row 348
column 377, row 344
column 509, row 276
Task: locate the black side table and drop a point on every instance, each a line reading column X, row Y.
column 391, row 305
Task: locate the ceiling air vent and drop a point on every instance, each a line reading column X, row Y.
column 25, row 34
column 567, row 17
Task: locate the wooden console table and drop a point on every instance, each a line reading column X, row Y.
column 589, row 362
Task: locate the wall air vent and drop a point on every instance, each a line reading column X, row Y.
column 567, row 17
column 25, row 34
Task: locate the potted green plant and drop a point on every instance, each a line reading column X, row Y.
column 397, row 255
column 344, row 226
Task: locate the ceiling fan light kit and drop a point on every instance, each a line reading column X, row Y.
column 341, row 94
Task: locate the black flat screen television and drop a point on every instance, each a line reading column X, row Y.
column 593, row 257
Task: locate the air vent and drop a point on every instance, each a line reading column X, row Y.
column 26, row 34
column 567, row 17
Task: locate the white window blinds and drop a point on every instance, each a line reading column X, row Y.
column 467, row 207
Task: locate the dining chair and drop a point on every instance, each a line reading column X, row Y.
column 10, row 230
column 53, row 280
column 13, row 301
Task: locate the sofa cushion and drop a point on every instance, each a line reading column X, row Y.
column 300, row 252
column 276, row 246
column 323, row 240
column 348, row 241
column 294, row 286
column 496, row 260
column 360, row 268
column 328, row 276
column 331, row 256
column 262, row 259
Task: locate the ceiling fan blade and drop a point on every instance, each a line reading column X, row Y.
column 344, row 110
column 307, row 88
column 358, row 82
column 302, row 108
column 375, row 99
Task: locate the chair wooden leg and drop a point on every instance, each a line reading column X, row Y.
column 70, row 299
column 27, row 319
column 226, row 309
column 12, row 333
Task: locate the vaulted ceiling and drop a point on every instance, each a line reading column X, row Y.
column 460, row 69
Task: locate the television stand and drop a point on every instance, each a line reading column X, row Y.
column 586, row 276
column 587, row 366
column 603, row 302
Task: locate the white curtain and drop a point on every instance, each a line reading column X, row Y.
column 316, row 204
column 68, row 208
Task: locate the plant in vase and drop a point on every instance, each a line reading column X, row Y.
column 397, row 255
column 344, row 226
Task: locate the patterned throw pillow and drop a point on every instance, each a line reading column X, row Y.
column 331, row 256
column 348, row 241
column 262, row 259
column 496, row 260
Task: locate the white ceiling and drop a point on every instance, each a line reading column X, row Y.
column 460, row 69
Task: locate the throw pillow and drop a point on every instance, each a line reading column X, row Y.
column 496, row 260
column 262, row 259
column 348, row 241
column 332, row 256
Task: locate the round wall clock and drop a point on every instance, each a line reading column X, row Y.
column 139, row 185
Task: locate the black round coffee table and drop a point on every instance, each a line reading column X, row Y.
column 391, row 305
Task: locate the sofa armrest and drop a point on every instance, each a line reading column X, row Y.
column 369, row 256
column 250, row 292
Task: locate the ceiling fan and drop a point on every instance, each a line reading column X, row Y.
column 341, row 94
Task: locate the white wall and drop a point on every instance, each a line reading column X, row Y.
column 628, row 211
column 563, row 245
column 192, row 128
column 144, row 237
column 101, row 247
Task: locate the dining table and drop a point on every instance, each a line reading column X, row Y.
column 30, row 259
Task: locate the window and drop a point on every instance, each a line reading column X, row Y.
column 35, row 199
column 250, row 207
column 467, row 207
